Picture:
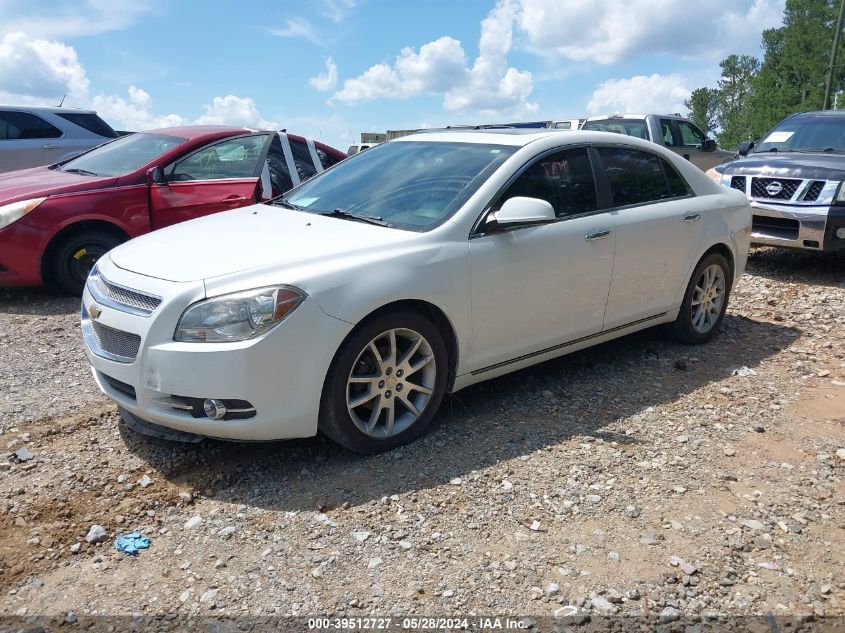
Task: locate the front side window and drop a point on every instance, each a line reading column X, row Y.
column 122, row 156
column 414, row 185
column 232, row 158
column 638, row 177
column 16, row 126
column 691, row 136
column 628, row 127
column 563, row 179
column 669, row 137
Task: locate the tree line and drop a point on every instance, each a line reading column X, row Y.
column 752, row 95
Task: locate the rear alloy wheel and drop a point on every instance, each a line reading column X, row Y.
column 386, row 384
column 705, row 301
column 76, row 257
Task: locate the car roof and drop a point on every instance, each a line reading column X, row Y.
column 197, row 131
column 819, row 113
column 53, row 109
column 521, row 137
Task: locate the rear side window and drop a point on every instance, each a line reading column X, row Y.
column 327, row 160
column 90, row 122
column 638, row 177
column 23, row 125
column 303, row 160
column 278, row 166
column 564, row 179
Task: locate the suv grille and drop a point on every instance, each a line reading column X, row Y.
column 814, row 190
column 774, row 188
column 120, row 297
column 738, row 182
column 107, row 342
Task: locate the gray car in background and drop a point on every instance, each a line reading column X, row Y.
column 31, row 136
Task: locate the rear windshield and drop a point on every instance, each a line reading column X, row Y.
column 122, row 156
column 90, row 122
column 412, row 185
column 805, row 134
column 629, row 127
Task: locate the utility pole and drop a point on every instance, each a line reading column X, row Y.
column 833, row 54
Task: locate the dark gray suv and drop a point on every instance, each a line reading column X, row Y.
column 31, row 136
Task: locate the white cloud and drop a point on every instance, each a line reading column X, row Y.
column 325, row 81
column 39, row 71
column 607, row 31
column 644, row 94
column 232, row 110
column 440, row 68
column 336, row 10
column 134, row 113
column 297, row 27
column 70, row 18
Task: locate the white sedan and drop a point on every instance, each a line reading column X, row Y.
column 355, row 302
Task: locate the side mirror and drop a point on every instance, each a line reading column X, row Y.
column 520, row 211
column 155, row 176
column 744, row 148
column 708, row 145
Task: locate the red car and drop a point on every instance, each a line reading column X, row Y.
column 56, row 221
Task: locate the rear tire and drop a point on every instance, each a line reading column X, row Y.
column 385, row 384
column 76, row 256
column 705, row 301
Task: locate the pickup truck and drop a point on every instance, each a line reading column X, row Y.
column 672, row 131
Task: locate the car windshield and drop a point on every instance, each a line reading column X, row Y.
column 414, row 185
column 122, row 156
column 629, row 127
column 805, row 134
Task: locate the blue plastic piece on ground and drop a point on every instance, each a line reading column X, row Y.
column 131, row 543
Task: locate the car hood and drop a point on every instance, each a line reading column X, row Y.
column 255, row 237
column 788, row 165
column 42, row 181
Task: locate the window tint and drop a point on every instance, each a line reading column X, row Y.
column 678, row 187
column 691, row 136
column 303, row 160
column 232, row 158
column 23, row 125
column 635, row 176
column 326, row 159
column 564, row 179
column 90, row 122
column 279, row 173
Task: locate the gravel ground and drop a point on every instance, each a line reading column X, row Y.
column 640, row 478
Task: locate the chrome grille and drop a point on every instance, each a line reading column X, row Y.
column 760, row 188
column 107, row 342
column 120, row 297
column 814, row 190
column 738, row 182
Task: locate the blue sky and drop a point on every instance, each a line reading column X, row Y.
column 331, row 69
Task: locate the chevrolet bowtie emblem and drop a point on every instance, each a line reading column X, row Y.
column 94, row 311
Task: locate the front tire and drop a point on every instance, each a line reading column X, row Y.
column 385, row 384
column 705, row 301
column 77, row 255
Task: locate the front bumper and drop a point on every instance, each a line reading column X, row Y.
column 807, row 227
column 20, row 255
column 280, row 374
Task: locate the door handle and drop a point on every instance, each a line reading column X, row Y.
column 234, row 200
column 51, row 147
column 692, row 217
column 598, row 235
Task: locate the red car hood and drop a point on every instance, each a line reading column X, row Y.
column 41, row 181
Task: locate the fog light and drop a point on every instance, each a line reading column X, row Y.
column 215, row 409
column 840, row 233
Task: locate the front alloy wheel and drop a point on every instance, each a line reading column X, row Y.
column 386, row 383
column 705, row 301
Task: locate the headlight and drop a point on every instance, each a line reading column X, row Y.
column 13, row 212
column 239, row 316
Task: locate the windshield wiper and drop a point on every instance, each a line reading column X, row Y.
column 82, row 172
column 348, row 215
